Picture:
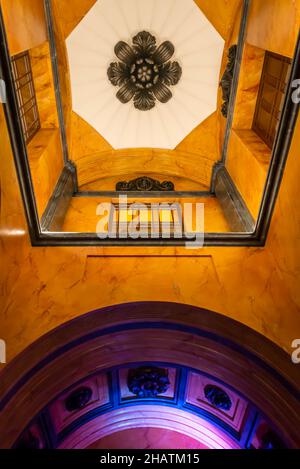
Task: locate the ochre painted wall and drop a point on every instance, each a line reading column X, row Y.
column 274, row 25
column 81, row 212
column 221, row 13
column 26, row 27
column 41, row 288
column 46, row 164
column 96, row 160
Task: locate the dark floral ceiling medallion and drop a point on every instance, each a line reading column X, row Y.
column 148, row 381
column 145, row 184
column 227, row 79
column 145, row 72
column 217, row 397
column 78, row 399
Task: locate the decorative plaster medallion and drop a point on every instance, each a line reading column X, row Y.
column 186, row 42
column 148, row 381
column 217, row 397
column 78, row 399
column 145, row 184
column 145, row 71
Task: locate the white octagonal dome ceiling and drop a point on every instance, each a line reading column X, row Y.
column 145, row 73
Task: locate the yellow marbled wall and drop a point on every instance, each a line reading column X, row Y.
column 42, row 288
column 81, row 214
column 26, row 30
column 248, row 155
column 70, row 17
column 248, row 87
column 44, row 150
column 203, row 141
column 25, row 23
column 85, row 140
column 139, row 160
column 44, row 88
column 96, row 159
column 221, row 13
column 226, row 13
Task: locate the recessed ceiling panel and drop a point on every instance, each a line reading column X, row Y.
column 145, row 73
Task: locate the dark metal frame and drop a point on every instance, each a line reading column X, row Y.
column 56, row 80
column 46, row 238
column 235, row 81
column 232, row 203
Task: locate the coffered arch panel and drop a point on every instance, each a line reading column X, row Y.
column 197, row 347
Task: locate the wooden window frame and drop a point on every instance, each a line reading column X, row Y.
column 279, row 86
column 28, row 105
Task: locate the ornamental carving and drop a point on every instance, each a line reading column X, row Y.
column 145, row 184
column 226, row 82
column 78, row 399
column 217, row 397
column 148, row 381
column 144, row 72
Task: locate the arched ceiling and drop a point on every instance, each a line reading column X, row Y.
column 221, row 13
column 193, row 365
column 200, row 144
column 158, row 112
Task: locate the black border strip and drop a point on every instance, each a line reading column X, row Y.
column 235, row 82
column 56, row 79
